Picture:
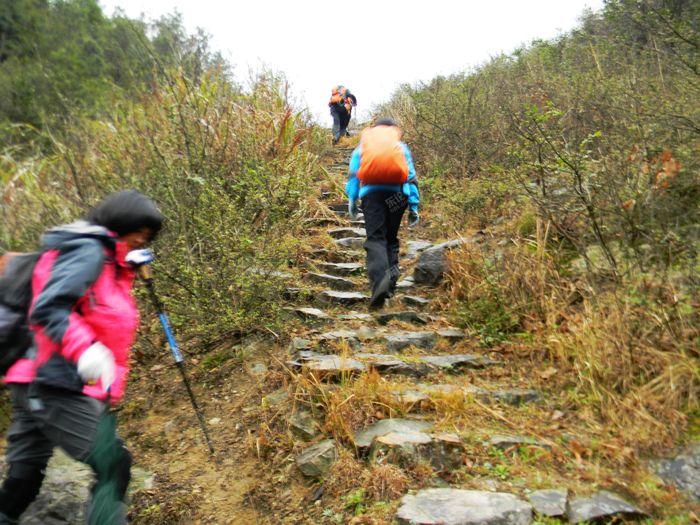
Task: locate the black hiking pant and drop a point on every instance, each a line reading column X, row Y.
column 341, row 120
column 43, row 418
column 383, row 212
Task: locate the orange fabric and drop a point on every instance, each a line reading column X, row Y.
column 382, row 159
column 335, row 99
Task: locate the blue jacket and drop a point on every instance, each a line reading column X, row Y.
column 355, row 191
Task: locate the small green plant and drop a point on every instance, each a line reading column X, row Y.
column 356, row 502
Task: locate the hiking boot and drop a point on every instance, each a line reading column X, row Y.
column 381, row 293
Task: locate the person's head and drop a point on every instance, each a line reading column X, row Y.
column 385, row 121
column 131, row 215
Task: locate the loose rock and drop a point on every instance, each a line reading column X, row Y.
column 413, row 248
column 317, row 460
column 401, row 340
column 431, row 263
column 404, row 449
column 312, row 313
column 463, row 507
column 303, row 425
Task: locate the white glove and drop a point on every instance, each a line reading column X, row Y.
column 352, row 210
column 97, row 362
column 140, row 257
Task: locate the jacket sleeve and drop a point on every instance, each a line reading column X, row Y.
column 410, row 189
column 352, row 188
column 76, row 268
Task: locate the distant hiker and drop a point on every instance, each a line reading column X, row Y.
column 83, row 319
column 341, row 104
column 382, row 174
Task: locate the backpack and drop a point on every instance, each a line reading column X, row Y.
column 383, row 160
column 15, row 300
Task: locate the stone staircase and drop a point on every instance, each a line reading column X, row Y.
column 413, row 347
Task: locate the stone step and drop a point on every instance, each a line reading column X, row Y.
column 342, row 298
column 462, row 507
column 414, row 300
column 355, row 316
column 354, row 243
column 424, row 395
column 413, row 248
column 407, row 316
column 399, row 340
column 341, row 269
column 338, row 283
column 407, row 449
column 312, row 314
column 324, row 365
column 339, row 233
column 337, row 255
column 349, row 336
column 363, row 439
column 422, row 365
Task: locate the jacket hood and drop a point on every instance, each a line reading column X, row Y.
column 60, row 235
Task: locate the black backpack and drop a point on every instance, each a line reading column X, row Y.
column 15, row 299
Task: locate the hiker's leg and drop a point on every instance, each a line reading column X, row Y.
column 336, row 124
column 72, row 422
column 28, row 452
column 344, row 122
column 396, row 205
column 374, row 209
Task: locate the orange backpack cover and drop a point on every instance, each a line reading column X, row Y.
column 382, row 157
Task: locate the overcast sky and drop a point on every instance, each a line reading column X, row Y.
column 371, row 46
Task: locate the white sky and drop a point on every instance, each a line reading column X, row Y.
column 370, row 46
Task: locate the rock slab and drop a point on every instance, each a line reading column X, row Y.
column 401, row 340
column 550, row 503
column 364, row 438
column 316, row 460
column 683, row 471
column 602, row 505
column 431, row 264
column 463, row 507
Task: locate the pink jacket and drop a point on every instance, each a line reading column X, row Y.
column 82, row 293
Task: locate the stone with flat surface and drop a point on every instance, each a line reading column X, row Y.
column 338, row 283
column 364, row 438
column 351, row 242
column 550, row 503
column 400, row 340
column 602, row 506
column 342, row 298
column 317, row 460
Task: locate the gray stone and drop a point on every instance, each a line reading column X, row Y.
column 405, row 316
column 258, row 369
column 550, row 503
column 275, row 398
column 339, row 233
column 366, row 333
column 387, row 364
column 504, row 442
column 431, row 264
column 462, row 507
column 683, row 471
column 364, row 438
column 413, row 248
column 404, row 449
column 351, row 242
column 299, row 343
column 341, row 335
column 303, row 425
column 317, row 460
column 414, row 300
column 457, row 361
column 331, row 364
column 405, row 283
column 339, row 283
column 514, row 397
column 401, row 340
column 453, row 334
column 355, row 316
column 602, row 506
column 342, row 298
column 312, row 313
column 341, row 268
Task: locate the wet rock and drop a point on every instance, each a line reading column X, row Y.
column 400, row 340
column 462, row 507
column 431, row 263
column 453, row 334
column 340, row 233
column 317, row 460
column 404, row 449
column 550, row 503
column 683, row 471
column 387, row 364
column 413, row 248
column 355, row 316
column 514, row 397
column 405, row 316
column 456, row 361
column 505, row 441
column 363, row 438
column 341, row 268
column 602, row 506
column 303, row 425
column 351, row 242
column 312, row 313
column 342, row 298
column 414, row 300
column 339, row 283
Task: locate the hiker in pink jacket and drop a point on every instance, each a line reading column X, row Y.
column 83, row 318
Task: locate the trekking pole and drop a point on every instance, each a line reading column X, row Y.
column 145, row 273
